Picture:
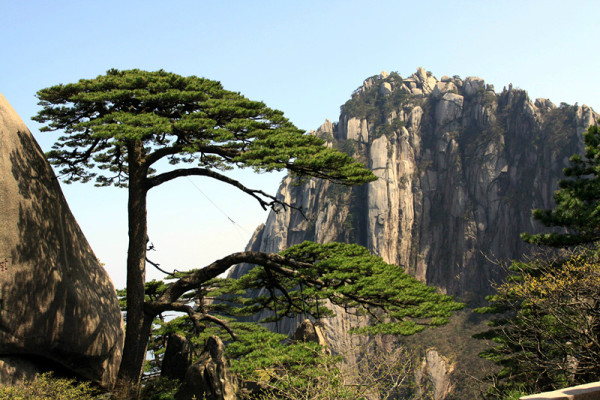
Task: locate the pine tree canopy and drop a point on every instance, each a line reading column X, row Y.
column 120, row 129
column 577, row 200
column 306, row 279
column 182, row 119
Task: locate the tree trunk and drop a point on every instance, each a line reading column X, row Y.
column 139, row 324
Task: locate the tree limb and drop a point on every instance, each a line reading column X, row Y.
column 264, row 199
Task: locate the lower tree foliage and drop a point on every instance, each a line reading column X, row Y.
column 299, row 280
column 272, row 366
column 46, row 386
column 304, row 279
column 548, row 336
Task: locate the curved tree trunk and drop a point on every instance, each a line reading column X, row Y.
column 139, row 324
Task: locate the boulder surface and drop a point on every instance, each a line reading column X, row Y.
column 58, row 307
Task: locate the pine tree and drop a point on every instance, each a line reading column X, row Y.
column 548, row 335
column 118, row 127
column 577, row 200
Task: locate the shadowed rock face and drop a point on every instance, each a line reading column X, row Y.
column 209, row 377
column 58, row 306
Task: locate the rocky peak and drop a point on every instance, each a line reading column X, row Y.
column 460, row 169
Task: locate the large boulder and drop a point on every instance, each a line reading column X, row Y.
column 58, row 307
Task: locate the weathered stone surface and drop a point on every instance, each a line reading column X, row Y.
column 357, row 130
column 178, row 357
column 426, row 82
column 435, row 369
column 472, row 85
column 443, row 87
column 209, row 377
column 385, row 89
column 449, row 108
column 58, row 307
column 544, row 103
column 309, row 332
column 15, row 369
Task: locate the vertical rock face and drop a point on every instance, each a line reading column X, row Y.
column 178, row 357
column 460, row 168
column 436, row 370
column 58, row 307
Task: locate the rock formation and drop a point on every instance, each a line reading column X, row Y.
column 178, row 357
column 58, row 307
column 435, row 369
column 209, row 377
column 309, row 332
column 460, row 168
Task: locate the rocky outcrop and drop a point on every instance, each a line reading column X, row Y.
column 209, row 377
column 309, row 332
column 58, row 307
column 435, row 370
column 178, row 357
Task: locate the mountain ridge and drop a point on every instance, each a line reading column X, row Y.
column 460, row 168
column 455, row 160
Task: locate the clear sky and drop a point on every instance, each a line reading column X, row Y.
column 302, row 57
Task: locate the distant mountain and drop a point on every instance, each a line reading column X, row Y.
column 460, row 168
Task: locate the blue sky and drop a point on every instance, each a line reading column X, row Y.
column 303, row 57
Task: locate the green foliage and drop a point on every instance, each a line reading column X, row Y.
column 348, row 276
column 271, row 366
column 559, row 123
column 345, row 275
column 46, row 386
column 374, row 106
column 308, row 373
column 190, row 119
column 577, row 200
column 117, row 127
column 160, row 388
column 548, row 334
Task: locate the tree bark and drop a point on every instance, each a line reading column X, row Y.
column 139, row 324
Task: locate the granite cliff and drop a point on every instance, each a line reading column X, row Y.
column 460, row 168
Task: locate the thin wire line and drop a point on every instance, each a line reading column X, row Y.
column 217, row 207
